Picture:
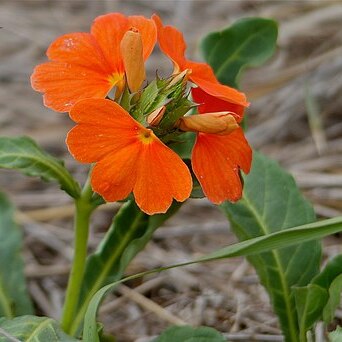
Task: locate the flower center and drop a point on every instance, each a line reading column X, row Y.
column 146, row 136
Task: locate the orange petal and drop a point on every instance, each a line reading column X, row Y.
column 114, row 176
column 89, row 143
column 79, row 49
column 161, row 176
column 103, row 127
column 203, row 76
column 148, row 31
column 208, row 103
column 129, row 157
column 216, row 160
column 64, row 84
column 171, row 42
column 109, row 30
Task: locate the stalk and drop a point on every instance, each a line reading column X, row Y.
column 84, row 209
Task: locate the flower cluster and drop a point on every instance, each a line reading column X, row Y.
column 131, row 136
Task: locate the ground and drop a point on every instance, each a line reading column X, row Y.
column 295, row 118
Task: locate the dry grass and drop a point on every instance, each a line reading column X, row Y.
column 295, row 118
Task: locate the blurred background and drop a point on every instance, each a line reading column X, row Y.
column 294, row 117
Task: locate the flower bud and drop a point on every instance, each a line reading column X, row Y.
column 213, row 123
column 156, row 116
column 180, row 76
column 132, row 54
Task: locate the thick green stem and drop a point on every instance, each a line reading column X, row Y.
column 84, row 209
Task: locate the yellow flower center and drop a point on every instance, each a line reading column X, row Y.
column 146, row 136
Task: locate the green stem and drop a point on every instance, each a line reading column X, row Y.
column 84, row 209
column 100, row 280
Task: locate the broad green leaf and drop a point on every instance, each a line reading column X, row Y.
column 14, row 299
column 322, row 295
column 271, row 202
column 190, row 334
column 336, row 335
column 25, row 155
column 32, row 329
column 248, row 42
column 128, row 235
column 255, row 246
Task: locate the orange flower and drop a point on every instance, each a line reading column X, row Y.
column 217, row 158
column 172, row 43
column 128, row 157
column 89, row 65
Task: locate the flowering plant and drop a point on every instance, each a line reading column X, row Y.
column 128, row 138
column 155, row 143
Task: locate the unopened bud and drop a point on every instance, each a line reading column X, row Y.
column 132, row 54
column 181, row 76
column 156, row 116
column 214, row 123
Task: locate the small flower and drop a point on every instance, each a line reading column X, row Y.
column 89, row 65
column 218, row 154
column 217, row 158
column 128, row 157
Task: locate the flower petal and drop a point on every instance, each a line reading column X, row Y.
column 109, row 29
column 171, row 42
column 203, row 76
column 148, row 31
column 208, row 104
column 161, row 176
column 103, row 127
column 216, row 160
column 114, row 176
column 79, row 49
column 64, row 84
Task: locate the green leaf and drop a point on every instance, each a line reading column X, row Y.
column 184, row 144
column 190, row 334
column 271, row 202
column 261, row 244
column 25, row 155
column 32, row 329
column 14, row 300
column 336, row 335
column 322, row 295
column 247, row 43
column 309, row 302
column 128, row 235
column 334, row 300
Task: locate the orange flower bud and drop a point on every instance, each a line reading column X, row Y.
column 132, row 53
column 155, row 117
column 214, row 123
